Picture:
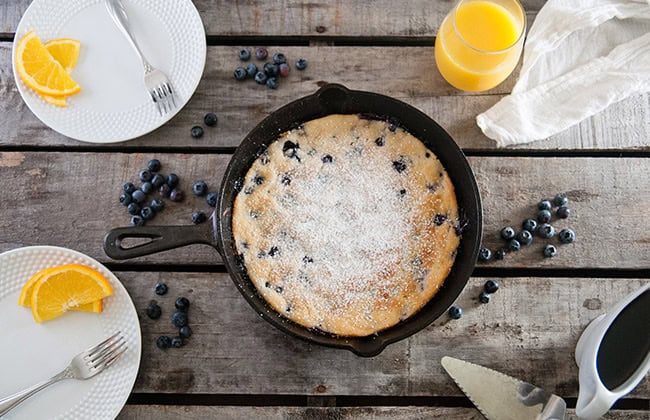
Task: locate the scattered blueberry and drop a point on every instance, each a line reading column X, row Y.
column 146, row 187
column 271, row 69
column 484, row 297
column 244, row 54
column 145, row 175
column 196, row 132
column 260, row 78
column 550, row 251
column 272, row 83
column 279, row 58
column 164, row 190
column 544, row 216
column 200, row 188
column 240, row 73
column 514, row 244
column 500, row 254
column 161, row 289
column 563, row 212
column 177, row 342
column 128, row 188
column 301, row 64
column 147, row 213
column 182, row 304
column 545, row 205
column 261, row 53
column 154, row 165
column 137, row 221
column 284, row 70
column 153, row 310
column 525, row 237
column 484, row 254
column 198, row 217
column 185, row 332
column 157, row 181
column 179, row 319
column 491, row 286
column 176, row 195
column 508, row 233
column 211, row 199
column 163, row 342
column 172, row 180
column 125, row 199
column 567, row 236
column 138, row 196
column 251, row 70
column 530, row 225
column 561, row 200
column 210, row 118
column 455, row 312
column 133, row 209
column 157, row 205
column 546, row 231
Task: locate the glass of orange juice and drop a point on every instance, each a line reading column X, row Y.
column 479, row 43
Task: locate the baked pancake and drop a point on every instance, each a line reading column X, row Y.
column 347, row 225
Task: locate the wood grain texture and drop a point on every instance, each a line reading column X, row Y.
column 406, row 73
column 161, row 412
column 529, row 331
column 70, row 199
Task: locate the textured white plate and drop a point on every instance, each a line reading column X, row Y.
column 113, row 104
column 31, row 352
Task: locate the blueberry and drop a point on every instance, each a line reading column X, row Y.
column 544, row 216
column 484, row 297
column 185, row 332
column 196, row 132
column 182, row 304
column 546, row 231
column 290, row 149
column 514, row 244
column 244, row 54
column 258, row 179
column 240, row 73
column 198, row 217
column 484, row 254
column 491, row 286
column 272, row 83
column 261, row 53
column 399, row 165
column 147, row 213
column 179, row 319
column 172, row 180
column 327, row 159
column 260, row 78
column 154, row 165
column 125, row 199
column 285, row 180
column 163, row 342
column 161, row 289
column 525, row 237
column 164, row 190
column 211, row 199
column 153, row 310
column 273, row 251
column 210, row 118
column 563, row 212
column 176, row 195
column 145, row 175
column 138, row 196
column 157, row 181
column 200, row 188
column 128, row 188
column 507, row 233
column 157, row 205
column 530, row 225
column 133, row 209
column 561, row 200
column 284, row 70
column 251, row 70
column 271, row 69
column 279, row 58
column 544, row 205
column 301, row 64
column 550, row 251
column 146, row 187
column 439, row 219
column 137, row 221
column 567, row 236
column 500, row 254
column 455, row 312
column 177, row 342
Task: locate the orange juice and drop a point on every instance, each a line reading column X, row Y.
column 479, row 43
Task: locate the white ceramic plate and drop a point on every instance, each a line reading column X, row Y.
column 31, row 352
column 113, row 104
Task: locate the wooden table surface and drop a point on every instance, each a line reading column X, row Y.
column 58, row 191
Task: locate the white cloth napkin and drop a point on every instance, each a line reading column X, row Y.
column 580, row 56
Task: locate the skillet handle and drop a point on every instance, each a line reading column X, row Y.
column 333, row 97
column 162, row 238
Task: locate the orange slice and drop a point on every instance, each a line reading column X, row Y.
column 25, row 298
column 62, row 288
column 40, row 71
column 65, row 51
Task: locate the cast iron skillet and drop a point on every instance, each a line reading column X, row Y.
column 330, row 99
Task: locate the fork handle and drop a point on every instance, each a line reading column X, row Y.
column 7, row 404
column 118, row 14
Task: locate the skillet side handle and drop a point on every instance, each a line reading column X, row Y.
column 333, row 97
column 161, row 238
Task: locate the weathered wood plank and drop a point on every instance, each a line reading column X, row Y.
column 411, row 76
column 529, row 331
column 378, row 18
column 163, row 412
column 70, row 199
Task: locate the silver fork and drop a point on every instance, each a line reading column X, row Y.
column 156, row 82
column 85, row 365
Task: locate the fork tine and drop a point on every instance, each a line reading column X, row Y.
column 161, row 95
column 106, row 363
column 171, row 93
column 93, row 349
column 108, row 355
column 108, row 349
column 167, row 95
